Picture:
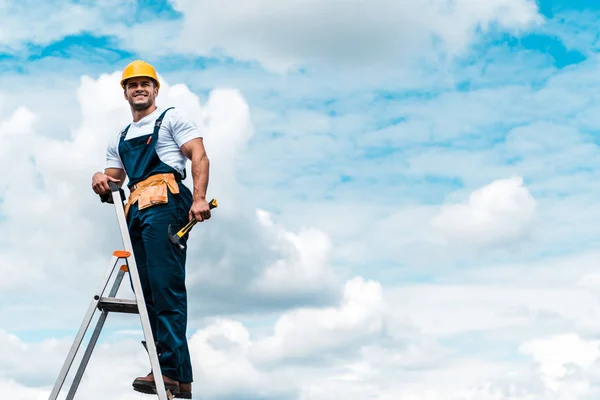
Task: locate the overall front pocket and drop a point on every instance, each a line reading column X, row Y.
column 152, row 195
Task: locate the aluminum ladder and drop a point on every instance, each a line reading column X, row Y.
column 112, row 304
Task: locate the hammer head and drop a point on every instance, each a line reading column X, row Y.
column 175, row 238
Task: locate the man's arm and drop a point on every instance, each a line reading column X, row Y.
column 113, row 170
column 116, row 173
column 195, row 151
column 100, row 180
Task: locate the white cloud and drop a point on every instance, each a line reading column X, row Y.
column 445, row 310
column 404, row 342
column 220, row 356
column 308, row 333
column 304, row 264
column 21, row 392
column 289, row 35
column 359, row 32
column 42, row 23
column 497, row 213
column 555, row 354
column 227, row 360
column 16, row 361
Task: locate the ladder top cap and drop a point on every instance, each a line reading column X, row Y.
column 121, row 253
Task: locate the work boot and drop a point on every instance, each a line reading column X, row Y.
column 147, row 385
column 185, row 391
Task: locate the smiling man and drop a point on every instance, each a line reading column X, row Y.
column 152, row 153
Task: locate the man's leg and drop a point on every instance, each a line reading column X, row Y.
column 186, row 366
column 185, row 198
column 185, row 383
column 139, row 252
column 166, row 271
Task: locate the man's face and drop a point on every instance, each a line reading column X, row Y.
column 140, row 93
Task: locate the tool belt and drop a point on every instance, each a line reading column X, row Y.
column 152, row 191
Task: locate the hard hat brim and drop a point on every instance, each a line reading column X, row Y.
column 140, row 76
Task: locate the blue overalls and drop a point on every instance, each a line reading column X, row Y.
column 161, row 264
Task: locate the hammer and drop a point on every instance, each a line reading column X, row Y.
column 175, row 237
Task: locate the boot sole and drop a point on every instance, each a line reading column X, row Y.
column 150, row 388
column 183, row 395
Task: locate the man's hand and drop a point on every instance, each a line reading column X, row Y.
column 199, row 210
column 100, row 182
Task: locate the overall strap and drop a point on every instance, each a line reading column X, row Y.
column 159, row 120
column 157, row 127
column 124, row 131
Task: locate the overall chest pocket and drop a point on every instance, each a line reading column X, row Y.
column 135, row 145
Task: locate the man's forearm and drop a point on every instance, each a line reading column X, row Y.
column 200, row 172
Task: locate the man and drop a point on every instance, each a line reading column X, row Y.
column 152, row 152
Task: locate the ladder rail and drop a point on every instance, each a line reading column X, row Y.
column 137, row 289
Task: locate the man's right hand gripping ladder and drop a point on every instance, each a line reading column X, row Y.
column 110, row 303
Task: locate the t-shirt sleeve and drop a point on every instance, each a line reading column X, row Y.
column 113, row 160
column 182, row 127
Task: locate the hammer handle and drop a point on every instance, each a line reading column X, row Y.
column 212, row 204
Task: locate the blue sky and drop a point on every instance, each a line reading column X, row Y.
column 430, row 170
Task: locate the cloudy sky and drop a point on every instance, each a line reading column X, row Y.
column 408, row 194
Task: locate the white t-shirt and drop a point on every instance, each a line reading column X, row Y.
column 176, row 130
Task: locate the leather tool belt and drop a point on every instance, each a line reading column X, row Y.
column 152, row 191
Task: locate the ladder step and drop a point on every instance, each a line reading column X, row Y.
column 112, row 304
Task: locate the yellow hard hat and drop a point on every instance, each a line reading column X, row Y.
column 139, row 68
